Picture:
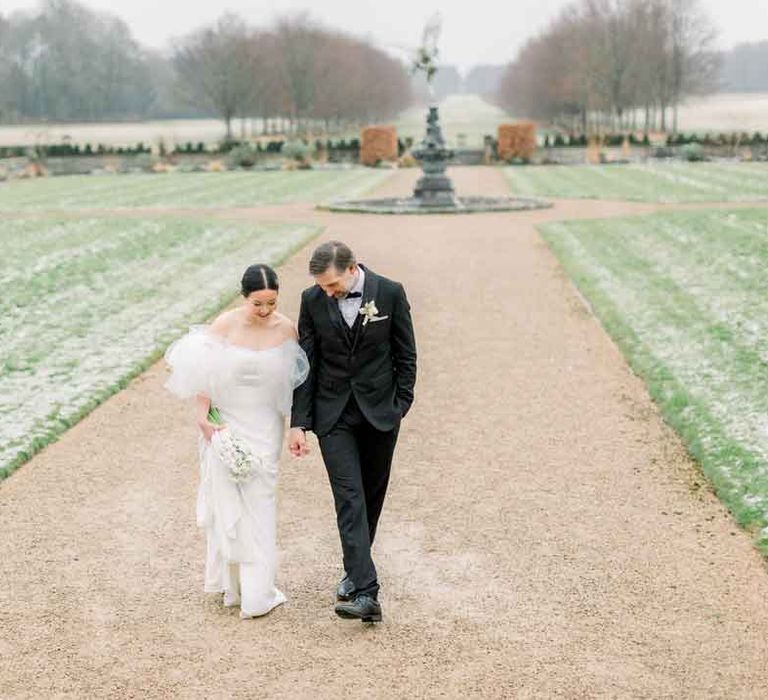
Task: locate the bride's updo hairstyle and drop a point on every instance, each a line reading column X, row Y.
column 258, row 277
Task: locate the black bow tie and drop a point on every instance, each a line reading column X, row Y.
column 354, row 295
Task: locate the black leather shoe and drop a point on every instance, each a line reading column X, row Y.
column 344, row 589
column 364, row 608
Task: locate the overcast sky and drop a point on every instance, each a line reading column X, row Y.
column 474, row 31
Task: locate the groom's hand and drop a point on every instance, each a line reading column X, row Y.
column 297, row 442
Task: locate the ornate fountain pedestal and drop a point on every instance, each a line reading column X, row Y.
column 434, row 188
column 434, row 192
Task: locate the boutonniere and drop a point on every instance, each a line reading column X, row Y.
column 369, row 311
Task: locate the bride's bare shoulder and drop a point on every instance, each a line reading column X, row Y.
column 224, row 322
column 286, row 326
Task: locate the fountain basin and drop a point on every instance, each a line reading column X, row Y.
column 416, row 205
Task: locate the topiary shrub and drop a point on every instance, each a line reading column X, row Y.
column 379, row 143
column 693, row 152
column 243, row 156
column 516, row 142
column 297, row 151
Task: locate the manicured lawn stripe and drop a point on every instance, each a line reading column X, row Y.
column 653, row 182
column 87, row 304
column 685, row 295
column 181, row 190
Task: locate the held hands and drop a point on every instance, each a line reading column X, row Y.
column 207, row 428
column 297, row 442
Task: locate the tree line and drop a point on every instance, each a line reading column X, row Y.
column 614, row 64
column 66, row 62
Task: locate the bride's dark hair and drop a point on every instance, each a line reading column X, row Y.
column 258, row 277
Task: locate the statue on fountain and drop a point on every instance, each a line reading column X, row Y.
column 426, row 54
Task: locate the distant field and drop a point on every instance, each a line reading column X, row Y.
column 662, row 182
column 742, row 111
column 85, row 304
column 685, row 295
column 172, row 131
column 169, row 190
column 467, row 114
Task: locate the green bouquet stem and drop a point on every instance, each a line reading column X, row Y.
column 214, row 416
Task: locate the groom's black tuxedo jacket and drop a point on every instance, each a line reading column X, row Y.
column 376, row 361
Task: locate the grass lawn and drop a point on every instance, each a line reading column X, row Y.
column 654, row 182
column 685, row 296
column 86, row 304
column 169, row 190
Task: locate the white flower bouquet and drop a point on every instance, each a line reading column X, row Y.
column 233, row 452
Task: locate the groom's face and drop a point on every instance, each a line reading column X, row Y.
column 337, row 284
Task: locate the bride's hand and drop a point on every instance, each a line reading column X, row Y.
column 207, row 428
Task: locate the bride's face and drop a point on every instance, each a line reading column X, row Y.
column 260, row 305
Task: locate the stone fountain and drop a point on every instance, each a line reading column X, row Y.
column 434, row 192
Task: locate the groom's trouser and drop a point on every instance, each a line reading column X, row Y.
column 358, row 459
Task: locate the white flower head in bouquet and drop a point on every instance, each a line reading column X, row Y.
column 235, row 454
column 240, row 461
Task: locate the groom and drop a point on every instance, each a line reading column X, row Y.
column 355, row 327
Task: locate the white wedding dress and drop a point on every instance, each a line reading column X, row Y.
column 253, row 390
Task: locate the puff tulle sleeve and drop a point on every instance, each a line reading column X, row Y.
column 192, row 359
column 297, row 371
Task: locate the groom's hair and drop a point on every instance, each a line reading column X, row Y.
column 330, row 253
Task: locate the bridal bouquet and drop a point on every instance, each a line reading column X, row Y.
column 233, row 452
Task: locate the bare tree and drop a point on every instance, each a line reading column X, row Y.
column 614, row 39
column 356, row 81
column 64, row 61
column 298, row 42
column 268, row 93
column 693, row 64
column 6, row 69
column 215, row 67
column 603, row 59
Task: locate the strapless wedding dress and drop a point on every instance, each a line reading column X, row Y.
column 253, row 390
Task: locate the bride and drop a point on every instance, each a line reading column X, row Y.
column 245, row 364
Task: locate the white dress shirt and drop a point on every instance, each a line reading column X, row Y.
column 350, row 308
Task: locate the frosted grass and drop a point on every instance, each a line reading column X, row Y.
column 686, row 297
column 182, row 190
column 85, row 304
column 652, row 182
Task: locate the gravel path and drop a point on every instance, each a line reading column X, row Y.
column 545, row 534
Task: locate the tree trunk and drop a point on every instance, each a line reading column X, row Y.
column 674, row 118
